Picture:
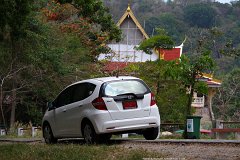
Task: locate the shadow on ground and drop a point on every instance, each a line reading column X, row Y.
column 82, row 142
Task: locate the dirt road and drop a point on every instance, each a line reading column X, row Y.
column 189, row 151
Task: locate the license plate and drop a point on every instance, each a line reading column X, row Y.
column 129, row 104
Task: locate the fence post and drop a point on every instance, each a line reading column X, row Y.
column 2, row 132
column 219, row 125
column 124, row 135
column 20, row 131
column 34, row 131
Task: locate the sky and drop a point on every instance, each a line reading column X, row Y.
column 224, row 1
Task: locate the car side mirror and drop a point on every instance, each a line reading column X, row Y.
column 50, row 105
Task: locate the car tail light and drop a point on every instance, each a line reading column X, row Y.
column 99, row 104
column 153, row 100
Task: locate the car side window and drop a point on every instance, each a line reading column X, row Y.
column 91, row 88
column 65, row 97
column 82, row 91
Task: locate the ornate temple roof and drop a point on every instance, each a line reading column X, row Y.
column 211, row 82
column 129, row 13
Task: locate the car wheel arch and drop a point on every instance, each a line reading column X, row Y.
column 85, row 121
column 47, row 123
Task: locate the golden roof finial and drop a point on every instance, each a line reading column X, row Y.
column 129, row 8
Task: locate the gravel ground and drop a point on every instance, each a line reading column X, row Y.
column 183, row 151
column 171, row 150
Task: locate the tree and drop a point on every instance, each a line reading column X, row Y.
column 14, row 17
column 174, row 27
column 169, row 23
column 164, row 76
column 236, row 3
column 226, row 103
column 151, row 24
column 92, row 23
column 161, row 40
column 200, row 15
column 230, row 50
column 191, row 70
column 164, row 81
column 227, row 100
column 99, row 14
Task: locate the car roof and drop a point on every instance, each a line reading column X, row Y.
column 106, row 79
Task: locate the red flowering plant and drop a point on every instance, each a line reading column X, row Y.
column 94, row 30
column 51, row 11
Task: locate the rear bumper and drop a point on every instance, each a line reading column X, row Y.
column 103, row 123
column 107, row 125
column 129, row 124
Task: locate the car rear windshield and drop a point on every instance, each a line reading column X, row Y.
column 115, row 88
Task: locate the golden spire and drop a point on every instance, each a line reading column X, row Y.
column 129, row 8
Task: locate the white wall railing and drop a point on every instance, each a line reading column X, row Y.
column 198, row 102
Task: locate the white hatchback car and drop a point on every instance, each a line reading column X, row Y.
column 97, row 108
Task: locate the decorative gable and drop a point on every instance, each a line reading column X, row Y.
column 133, row 32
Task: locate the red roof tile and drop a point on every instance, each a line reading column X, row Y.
column 112, row 66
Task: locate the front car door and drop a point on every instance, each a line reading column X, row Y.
column 70, row 105
column 62, row 103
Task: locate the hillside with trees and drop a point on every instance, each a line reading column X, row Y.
column 198, row 21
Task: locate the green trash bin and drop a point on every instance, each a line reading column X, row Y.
column 193, row 127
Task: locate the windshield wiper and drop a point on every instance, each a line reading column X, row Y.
column 128, row 96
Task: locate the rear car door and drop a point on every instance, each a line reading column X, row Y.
column 80, row 103
column 126, row 99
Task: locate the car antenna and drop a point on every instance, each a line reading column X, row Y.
column 117, row 74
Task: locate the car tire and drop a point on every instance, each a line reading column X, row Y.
column 48, row 135
column 89, row 134
column 151, row 133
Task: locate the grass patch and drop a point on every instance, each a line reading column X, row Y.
column 71, row 152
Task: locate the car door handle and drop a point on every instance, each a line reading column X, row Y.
column 64, row 110
column 80, row 105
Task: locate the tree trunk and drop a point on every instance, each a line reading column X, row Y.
column 13, row 107
column 2, row 118
column 12, row 119
column 190, row 98
column 189, row 104
column 188, row 112
column 211, row 93
column 1, row 106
